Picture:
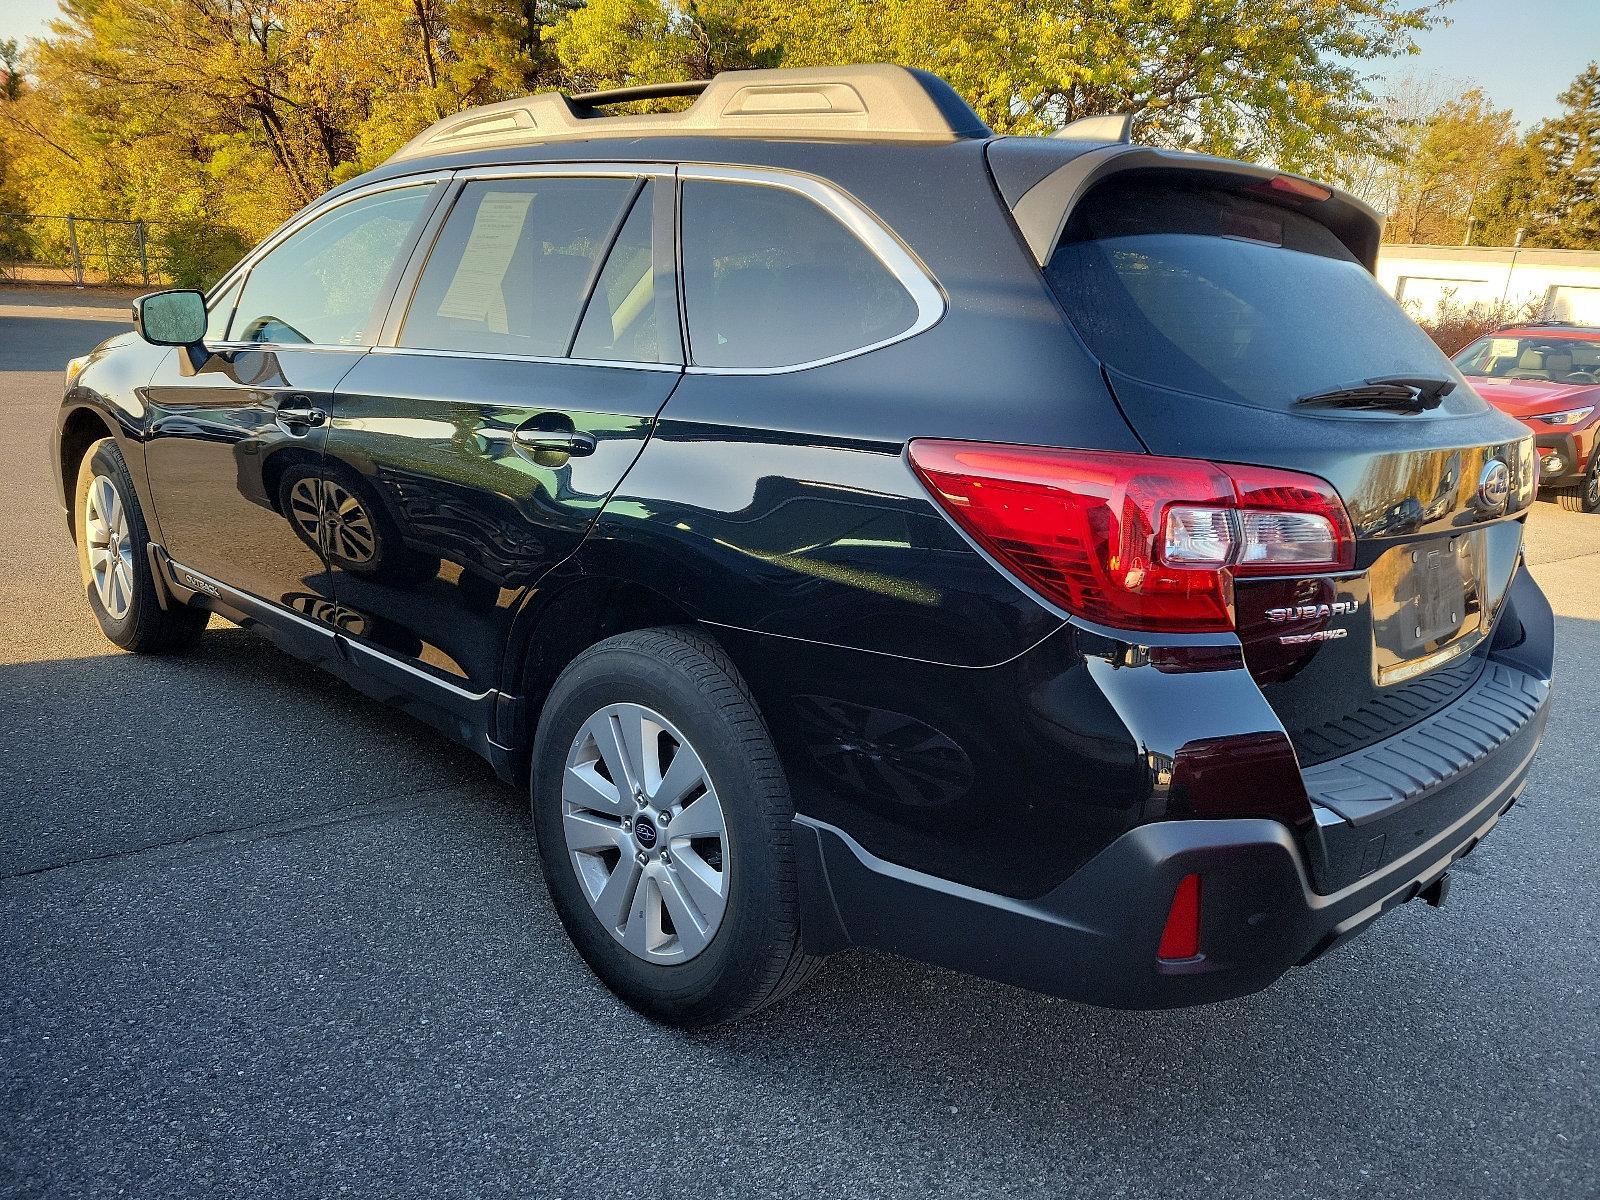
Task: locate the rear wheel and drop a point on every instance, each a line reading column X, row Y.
column 114, row 561
column 663, row 821
column 1585, row 497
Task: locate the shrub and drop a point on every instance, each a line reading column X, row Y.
column 1453, row 326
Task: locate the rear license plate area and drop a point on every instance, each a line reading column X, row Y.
column 1427, row 605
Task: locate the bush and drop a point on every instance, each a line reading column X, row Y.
column 1454, row 326
column 195, row 254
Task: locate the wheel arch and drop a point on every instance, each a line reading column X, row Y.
column 81, row 428
column 562, row 620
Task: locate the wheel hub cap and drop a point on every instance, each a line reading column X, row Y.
column 110, row 546
column 645, row 833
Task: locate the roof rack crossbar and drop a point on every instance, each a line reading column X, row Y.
column 643, row 91
column 869, row 102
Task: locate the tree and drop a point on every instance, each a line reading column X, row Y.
column 1273, row 81
column 1447, row 163
column 237, row 112
column 1551, row 186
column 1568, row 149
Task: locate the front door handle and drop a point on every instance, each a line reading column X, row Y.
column 556, row 441
column 297, row 412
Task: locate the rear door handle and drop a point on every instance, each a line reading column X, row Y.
column 557, row 441
column 299, row 411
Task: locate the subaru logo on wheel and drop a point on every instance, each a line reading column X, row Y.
column 645, row 832
column 1494, row 487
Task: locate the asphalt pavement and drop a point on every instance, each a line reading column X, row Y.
column 260, row 936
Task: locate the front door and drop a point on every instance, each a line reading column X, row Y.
column 517, row 386
column 236, row 443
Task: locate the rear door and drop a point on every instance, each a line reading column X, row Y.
column 1216, row 311
column 519, row 374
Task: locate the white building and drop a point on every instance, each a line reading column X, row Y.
column 1565, row 284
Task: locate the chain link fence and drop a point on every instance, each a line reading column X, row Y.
column 89, row 251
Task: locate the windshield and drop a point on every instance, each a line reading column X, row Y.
column 1533, row 356
column 1224, row 295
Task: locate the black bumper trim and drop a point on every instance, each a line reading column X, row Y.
column 1094, row 937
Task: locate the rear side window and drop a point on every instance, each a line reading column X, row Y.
column 513, row 264
column 321, row 283
column 1223, row 295
column 620, row 323
column 772, row 279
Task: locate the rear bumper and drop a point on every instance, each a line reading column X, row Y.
column 1094, row 938
column 1392, row 818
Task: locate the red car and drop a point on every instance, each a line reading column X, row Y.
column 1546, row 374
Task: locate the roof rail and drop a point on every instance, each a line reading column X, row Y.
column 874, row 102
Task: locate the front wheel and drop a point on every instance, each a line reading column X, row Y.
column 1585, row 498
column 114, row 561
column 664, row 828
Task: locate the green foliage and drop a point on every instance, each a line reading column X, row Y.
column 234, row 113
column 1550, row 188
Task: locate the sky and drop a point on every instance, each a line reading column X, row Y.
column 1521, row 52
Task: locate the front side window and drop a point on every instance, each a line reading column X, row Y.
column 513, row 264
column 322, row 283
column 772, row 279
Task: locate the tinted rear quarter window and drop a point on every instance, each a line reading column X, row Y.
column 772, row 279
column 1227, row 296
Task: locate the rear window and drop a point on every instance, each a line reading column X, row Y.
column 1223, row 295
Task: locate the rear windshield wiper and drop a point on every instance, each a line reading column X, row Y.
column 1405, row 393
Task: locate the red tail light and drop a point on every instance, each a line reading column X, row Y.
column 1135, row 540
column 1181, row 937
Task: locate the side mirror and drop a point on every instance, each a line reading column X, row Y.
column 171, row 318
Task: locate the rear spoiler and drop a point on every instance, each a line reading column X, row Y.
column 1044, row 179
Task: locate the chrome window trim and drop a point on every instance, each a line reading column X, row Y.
column 292, row 226
column 925, row 293
column 496, row 356
column 568, row 169
column 276, row 346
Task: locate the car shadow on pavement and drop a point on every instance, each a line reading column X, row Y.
column 121, row 753
column 289, row 903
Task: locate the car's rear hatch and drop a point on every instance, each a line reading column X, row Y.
column 1235, row 316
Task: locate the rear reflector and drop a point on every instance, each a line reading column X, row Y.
column 1136, row 541
column 1181, row 938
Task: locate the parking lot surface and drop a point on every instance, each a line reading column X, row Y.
column 260, row 936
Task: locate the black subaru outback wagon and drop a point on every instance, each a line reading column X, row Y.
column 1051, row 558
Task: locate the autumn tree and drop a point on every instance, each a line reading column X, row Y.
column 234, row 113
column 1276, row 81
column 1447, row 163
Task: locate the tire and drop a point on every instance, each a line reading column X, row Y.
column 753, row 956
column 1584, row 498
column 363, row 539
column 114, row 560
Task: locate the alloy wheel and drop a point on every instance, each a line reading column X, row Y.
column 645, row 833
column 329, row 515
column 105, row 526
